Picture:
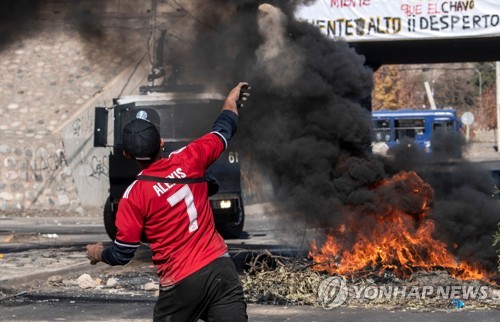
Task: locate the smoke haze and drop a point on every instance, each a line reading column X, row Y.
column 307, row 126
column 305, row 123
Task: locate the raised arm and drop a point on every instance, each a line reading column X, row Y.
column 235, row 96
column 225, row 124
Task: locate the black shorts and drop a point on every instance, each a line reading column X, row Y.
column 213, row 293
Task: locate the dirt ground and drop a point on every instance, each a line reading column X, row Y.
column 65, row 272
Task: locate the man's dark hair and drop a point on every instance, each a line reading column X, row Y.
column 141, row 140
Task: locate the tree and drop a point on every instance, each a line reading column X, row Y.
column 486, row 113
column 496, row 243
column 385, row 91
column 453, row 85
column 397, row 87
column 455, row 89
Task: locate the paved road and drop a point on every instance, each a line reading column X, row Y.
column 68, row 309
column 64, row 255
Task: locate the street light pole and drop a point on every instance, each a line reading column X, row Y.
column 480, row 87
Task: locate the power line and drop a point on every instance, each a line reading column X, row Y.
column 192, row 16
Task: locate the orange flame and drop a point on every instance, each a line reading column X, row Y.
column 398, row 240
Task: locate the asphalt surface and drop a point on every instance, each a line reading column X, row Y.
column 63, row 307
column 134, row 309
column 33, row 250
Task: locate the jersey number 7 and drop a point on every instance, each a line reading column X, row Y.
column 185, row 194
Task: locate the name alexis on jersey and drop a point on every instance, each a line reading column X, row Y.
column 162, row 187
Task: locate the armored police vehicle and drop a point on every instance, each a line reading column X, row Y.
column 182, row 113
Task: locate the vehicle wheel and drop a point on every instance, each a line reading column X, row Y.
column 232, row 230
column 109, row 219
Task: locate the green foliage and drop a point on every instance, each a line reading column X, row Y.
column 488, row 75
column 496, row 243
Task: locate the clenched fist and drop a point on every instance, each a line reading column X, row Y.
column 94, row 253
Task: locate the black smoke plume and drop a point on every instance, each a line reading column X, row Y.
column 465, row 212
column 16, row 17
column 101, row 24
column 307, row 124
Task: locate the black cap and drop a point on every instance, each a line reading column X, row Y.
column 141, row 140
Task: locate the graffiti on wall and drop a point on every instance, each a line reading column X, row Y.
column 43, row 167
column 37, row 167
column 99, row 167
column 83, row 126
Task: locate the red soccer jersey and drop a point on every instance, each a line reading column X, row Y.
column 176, row 218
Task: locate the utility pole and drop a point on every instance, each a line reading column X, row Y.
column 480, row 87
column 430, row 95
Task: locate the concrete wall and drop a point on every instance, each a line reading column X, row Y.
column 54, row 72
column 35, row 173
column 89, row 165
column 52, row 77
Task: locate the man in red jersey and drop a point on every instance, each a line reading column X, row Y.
column 198, row 280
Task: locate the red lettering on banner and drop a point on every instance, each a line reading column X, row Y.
column 409, row 9
column 457, row 6
column 349, row 3
column 433, row 9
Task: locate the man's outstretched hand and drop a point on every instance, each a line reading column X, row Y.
column 244, row 94
column 236, row 97
column 94, row 253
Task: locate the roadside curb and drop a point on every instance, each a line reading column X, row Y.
column 79, row 267
column 46, row 273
